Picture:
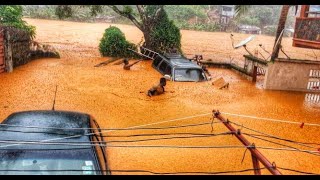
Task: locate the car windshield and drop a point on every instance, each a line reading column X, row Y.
column 188, row 75
column 47, row 162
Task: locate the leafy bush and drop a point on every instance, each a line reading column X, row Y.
column 114, row 44
column 11, row 15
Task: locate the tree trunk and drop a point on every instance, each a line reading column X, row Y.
column 147, row 39
column 281, row 26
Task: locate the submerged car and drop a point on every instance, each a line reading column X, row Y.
column 52, row 143
column 178, row 68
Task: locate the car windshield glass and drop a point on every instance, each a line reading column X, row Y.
column 47, row 162
column 188, row 75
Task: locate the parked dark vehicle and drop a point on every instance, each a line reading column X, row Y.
column 51, row 143
column 178, row 68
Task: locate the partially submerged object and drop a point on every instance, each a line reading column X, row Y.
column 178, row 68
column 174, row 66
column 52, row 143
column 220, row 83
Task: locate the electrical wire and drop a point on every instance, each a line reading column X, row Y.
column 134, row 127
column 270, row 119
column 53, row 149
column 112, row 129
column 168, row 173
column 116, row 129
column 139, row 140
column 293, row 170
column 317, row 154
column 159, row 146
column 286, row 149
column 107, row 129
column 288, row 140
column 128, row 146
column 111, row 136
column 245, row 127
column 135, row 171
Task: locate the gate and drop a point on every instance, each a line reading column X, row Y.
column 2, row 63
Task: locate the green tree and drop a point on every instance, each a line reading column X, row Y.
column 159, row 32
column 11, row 15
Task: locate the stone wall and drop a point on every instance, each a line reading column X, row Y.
column 16, row 49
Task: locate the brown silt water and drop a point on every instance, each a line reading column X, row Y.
column 117, row 99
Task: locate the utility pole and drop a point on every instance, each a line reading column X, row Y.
column 256, row 155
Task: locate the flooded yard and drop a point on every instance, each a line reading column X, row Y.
column 117, row 99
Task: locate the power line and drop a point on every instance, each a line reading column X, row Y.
column 168, row 173
column 53, row 149
column 107, row 129
column 130, row 128
column 270, row 119
column 317, row 154
column 132, row 171
column 127, row 146
column 288, row 140
column 293, row 170
column 139, row 140
column 287, row 149
column 131, row 135
column 159, row 146
column 113, row 129
column 264, row 133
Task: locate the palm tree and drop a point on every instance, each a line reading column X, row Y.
column 241, row 9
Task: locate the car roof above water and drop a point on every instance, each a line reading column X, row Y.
column 46, row 126
column 179, row 61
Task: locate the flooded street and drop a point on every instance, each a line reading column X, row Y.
column 117, row 99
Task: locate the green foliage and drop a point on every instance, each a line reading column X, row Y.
column 36, row 11
column 253, row 21
column 184, row 12
column 11, row 15
column 270, row 30
column 114, row 44
column 64, row 11
column 199, row 26
column 164, row 34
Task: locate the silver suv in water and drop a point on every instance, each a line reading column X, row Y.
column 178, row 68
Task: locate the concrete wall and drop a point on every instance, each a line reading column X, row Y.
column 291, row 75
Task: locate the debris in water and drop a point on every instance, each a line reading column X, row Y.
column 220, row 83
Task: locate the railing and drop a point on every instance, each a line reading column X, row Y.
column 314, row 80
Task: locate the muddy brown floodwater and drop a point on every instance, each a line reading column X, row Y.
column 113, row 96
